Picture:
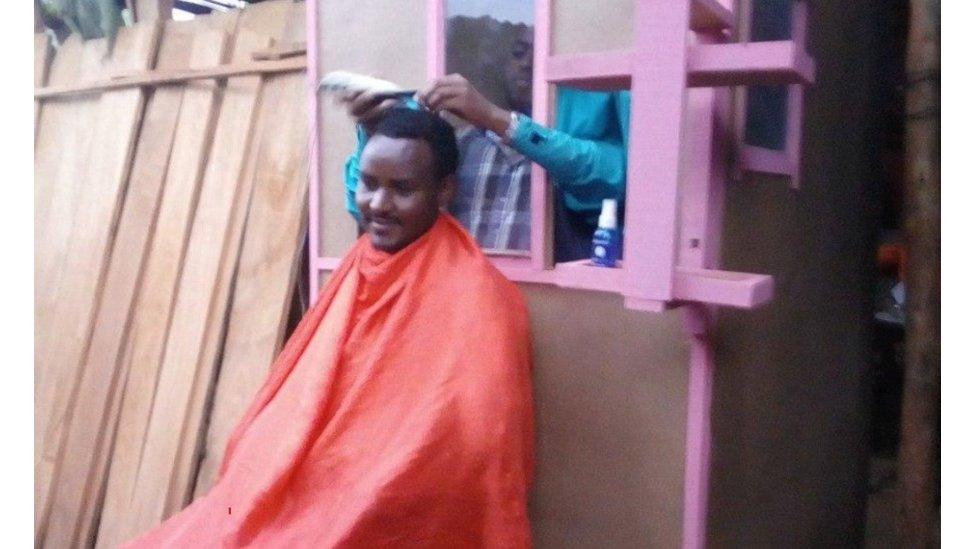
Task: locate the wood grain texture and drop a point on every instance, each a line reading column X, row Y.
column 918, row 454
column 63, row 143
column 267, row 27
column 269, row 259
column 65, row 332
column 58, row 132
column 155, row 492
column 84, row 458
column 150, row 323
column 163, row 77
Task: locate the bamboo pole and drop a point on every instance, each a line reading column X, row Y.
column 920, row 428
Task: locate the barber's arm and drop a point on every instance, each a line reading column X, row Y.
column 588, row 163
column 351, row 172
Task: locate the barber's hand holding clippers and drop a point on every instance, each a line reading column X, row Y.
column 367, row 98
column 366, row 106
column 453, row 93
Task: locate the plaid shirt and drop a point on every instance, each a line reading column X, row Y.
column 494, row 190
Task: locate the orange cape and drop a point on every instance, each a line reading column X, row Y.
column 398, row 415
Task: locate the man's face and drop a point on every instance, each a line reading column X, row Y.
column 518, row 73
column 398, row 195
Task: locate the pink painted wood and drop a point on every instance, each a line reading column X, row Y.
column 786, row 161
column 312, row 54
column 794, row 128
column 702, row 204
column 541, row 102
column 780, row 62
column 698, row 434
column 436, row 56
column 708, row 66
column 658, row 88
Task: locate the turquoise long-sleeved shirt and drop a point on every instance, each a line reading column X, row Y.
column 585, row 155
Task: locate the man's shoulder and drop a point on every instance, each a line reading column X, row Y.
column 494, row 290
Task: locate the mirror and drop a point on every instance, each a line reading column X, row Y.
column 490, row 42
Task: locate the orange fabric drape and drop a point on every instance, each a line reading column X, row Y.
column 398, row 415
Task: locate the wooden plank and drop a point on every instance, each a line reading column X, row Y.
column 42, row 62
column 59, row 131
column 66, row 331
column 918, row 454
column 195, row 419
column 80, row 479
column 269, row 260
column 64, row 139
column 158, row 78
column 284, row 51
column 150, row 322
column 213, row 242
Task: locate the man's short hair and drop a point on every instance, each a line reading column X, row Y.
column 405, row 123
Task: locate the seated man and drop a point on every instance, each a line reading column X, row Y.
column 585, row 155
column 399, row 413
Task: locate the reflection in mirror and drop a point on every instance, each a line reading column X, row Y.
column 490, row 43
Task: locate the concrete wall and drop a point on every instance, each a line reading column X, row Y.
column 790, row 408
column 610, row 384
column 610, row 411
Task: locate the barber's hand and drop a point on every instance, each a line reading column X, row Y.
column 364, row 107
column 453, row 93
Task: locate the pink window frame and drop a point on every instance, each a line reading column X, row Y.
column 785, row 161
column 661, row 73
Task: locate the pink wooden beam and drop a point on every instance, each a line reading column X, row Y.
column 711, row 65
column 732, row 289
column 749, row 63
column 311, row 37
column 698, row 433
column 436, row 55
column 326, row 264
column 794, row 100
column 785, row 161
column 654, row 163
column 700, row 192
column 541, row 195
column 582, row 274
column 703, row 203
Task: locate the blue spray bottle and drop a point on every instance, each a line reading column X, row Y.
column 606, row 239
